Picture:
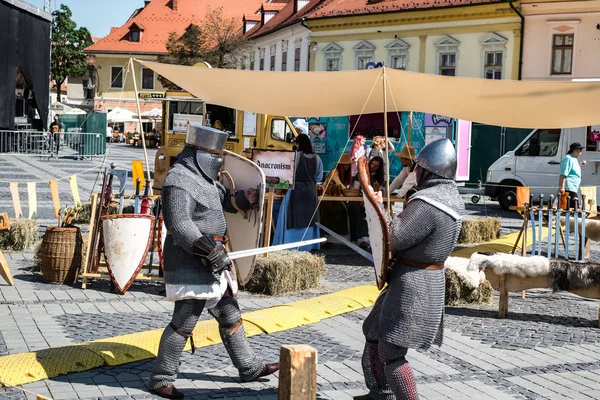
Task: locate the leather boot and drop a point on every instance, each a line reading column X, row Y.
column 168, row 392
column 269, row 369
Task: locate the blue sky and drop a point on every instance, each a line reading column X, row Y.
column 97, row 15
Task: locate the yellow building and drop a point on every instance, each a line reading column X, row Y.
column 475, row 40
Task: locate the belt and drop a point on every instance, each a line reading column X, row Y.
column 417, row 264
column 222, row 239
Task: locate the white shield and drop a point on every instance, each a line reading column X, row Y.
column 127, row 240
column 244, row 230
column 377, row 224
column 162, row 236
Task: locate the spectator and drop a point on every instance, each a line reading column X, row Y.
column 357, row 151
column 570, row 174
column 406, row 181
column 55, row 129
column 378, row 150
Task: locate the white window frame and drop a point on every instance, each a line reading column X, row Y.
column 397, row 48
column 447, row 44
column 142, row 79
column 297, row 50
column 333, row 51
column 362, row 50
column 493, row 43
column 554, row 30
column 112, row 78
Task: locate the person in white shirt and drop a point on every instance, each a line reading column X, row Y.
column 407, row 179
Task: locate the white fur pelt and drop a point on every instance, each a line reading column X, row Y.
column 592, row 228
column 511, row 264
column 471, row 278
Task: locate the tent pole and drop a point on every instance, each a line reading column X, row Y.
column 137, row 102
column 385, row 133
column 410, row 118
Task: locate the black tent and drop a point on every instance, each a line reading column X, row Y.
column 25, row 45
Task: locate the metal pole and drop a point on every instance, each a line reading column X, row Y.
column 576, row 229
column 137, row 102
column 540, row 224
column 582, row 244
column 550, row 225
column 567, row 226
column 385, row 133
column 533, row 233
column 557, row 232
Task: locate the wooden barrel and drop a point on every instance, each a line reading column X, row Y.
column 60, row 254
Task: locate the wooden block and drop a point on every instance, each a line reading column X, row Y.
column 5, row 271
column 297, row 373
column 503, row 304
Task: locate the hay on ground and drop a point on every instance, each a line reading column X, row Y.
column 86, row 212
column 286, row 271
column 479, row 230
column 458, row 293
column 22, row 235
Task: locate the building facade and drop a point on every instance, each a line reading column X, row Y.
column 561, row 39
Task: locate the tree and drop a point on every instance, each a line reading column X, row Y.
column 68, row 43
column 219, row 41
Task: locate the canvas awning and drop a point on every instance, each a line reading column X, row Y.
column 155, row 113
column 119, row 115
column 519, row 104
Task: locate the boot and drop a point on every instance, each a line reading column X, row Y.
column 168, row 392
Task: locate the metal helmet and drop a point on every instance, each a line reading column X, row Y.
column 438, row 157
column 209, row 144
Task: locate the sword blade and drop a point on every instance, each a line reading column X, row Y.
column 263, row 250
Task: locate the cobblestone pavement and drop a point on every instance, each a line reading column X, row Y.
column 548, row 347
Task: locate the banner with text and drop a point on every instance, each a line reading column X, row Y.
column 279, row 167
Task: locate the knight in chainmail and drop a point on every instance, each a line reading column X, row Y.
column 197, row 270
column 409, row 312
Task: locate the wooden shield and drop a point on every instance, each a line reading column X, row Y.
column 162, row 236
column 377, row 224
column 243, row 229
column 127, row 239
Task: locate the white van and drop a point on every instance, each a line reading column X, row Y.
column 536, row 163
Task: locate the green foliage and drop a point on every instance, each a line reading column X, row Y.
column 68, row 43
column 218, row 41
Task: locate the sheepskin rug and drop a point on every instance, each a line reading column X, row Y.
column 563, row 274
column 592, row 227
column 465, row 286
column 469, row 276
column 510, row 264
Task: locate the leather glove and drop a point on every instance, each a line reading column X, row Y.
column 213, row 253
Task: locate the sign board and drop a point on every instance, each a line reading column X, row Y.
column 181, row 121
column 279, row 167
column 249, row 128
column 318, row 137
column 151, row 95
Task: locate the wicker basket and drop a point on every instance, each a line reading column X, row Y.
column 60, row 254
column 351, row 192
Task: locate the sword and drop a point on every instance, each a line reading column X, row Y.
column 136, row 203
column 263, row 250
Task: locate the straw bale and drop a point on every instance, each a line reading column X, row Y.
column 459, row 293
column 86, row 212
column 479, row 230
column 286, row 271
column 22, row 235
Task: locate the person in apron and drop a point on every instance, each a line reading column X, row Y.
column 298, row 213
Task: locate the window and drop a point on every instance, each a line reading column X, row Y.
column 252, row 63
column 448, row 64
column 261, row 64
column 280, row 129
column 398, row 62
column 562, row 54
column 88, row 90
column 398, row 54
column 272, row 67
column 333, row 57
column 493, row 65
column 284, row 61
column 147, row 79
column 544, row 142
column 297, row 59
column 364, row 53
column 116, row 77
column 135, row 36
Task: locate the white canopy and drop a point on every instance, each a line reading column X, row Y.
column 520, row 104
column 75, row 111
column 155, row 113
column 118, row 115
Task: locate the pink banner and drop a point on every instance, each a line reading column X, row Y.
column 463, row 147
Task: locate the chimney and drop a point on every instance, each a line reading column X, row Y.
column 146, row 2
column 175, row 5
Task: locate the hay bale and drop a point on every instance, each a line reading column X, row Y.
column 22, row 235
column 479, row 230
column 458, row 293
column 86, row 212
column 286, row 271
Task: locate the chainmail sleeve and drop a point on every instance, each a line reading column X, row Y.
column 179, row 207
column 411, row 226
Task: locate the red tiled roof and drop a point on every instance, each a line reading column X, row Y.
column 159, row 20
column 338, row 8
column 283, row 18
column 273, row 6
column 252, row 17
